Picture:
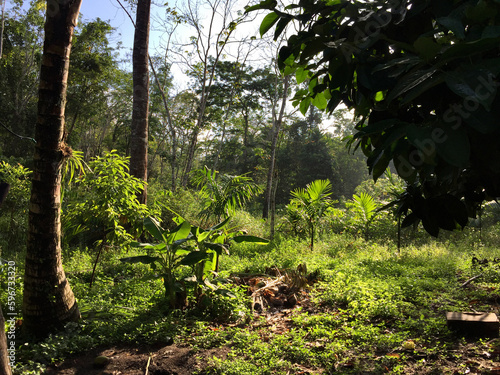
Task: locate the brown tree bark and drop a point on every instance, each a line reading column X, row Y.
column 140, row 106
column 4, row 360
column 48, row 301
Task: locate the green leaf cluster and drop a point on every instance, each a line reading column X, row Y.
column 423, row 80
column 308, row 206
column 103, row 205
column 223, row 194
column 187, row 246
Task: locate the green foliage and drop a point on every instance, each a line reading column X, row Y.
column 103, row 208
column 14, row 211
column 168, row 205
column 363, row 209
column 191, row 247
column 367, row 304
column 223, row 194
column 422, row 103
column 308, row 206
column 19, row 77
column 307, row 154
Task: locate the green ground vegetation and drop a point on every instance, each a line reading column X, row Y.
column 372, row 308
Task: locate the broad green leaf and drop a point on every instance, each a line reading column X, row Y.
column 380, row 166
column 147, row 246
column 301, row 74
column 217, row 247
column 195, row 257
column 252, row 239
column 427, row 47
column 283, row 22
column 153, row 227
column 268, row 22
column 180, row 233
column 470, row 85
column 461, row 50
column 202, row 236
column 181, row 252
column 410, row 81
column 304, row 105
column 220, row 225
column 319, row 101
column 265, row 4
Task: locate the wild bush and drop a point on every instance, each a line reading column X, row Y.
column 102, row 208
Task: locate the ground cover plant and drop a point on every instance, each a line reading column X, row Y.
column 369, row 309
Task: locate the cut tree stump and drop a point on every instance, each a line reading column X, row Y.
column 473, row 323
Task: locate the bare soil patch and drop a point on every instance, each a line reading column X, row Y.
column 127, row 360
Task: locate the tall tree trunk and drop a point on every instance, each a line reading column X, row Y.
column 140, row 106
column 277, row 120
column 48, row 301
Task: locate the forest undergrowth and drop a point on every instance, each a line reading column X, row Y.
column 368, row 309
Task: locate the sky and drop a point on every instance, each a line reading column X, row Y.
column 111, row 11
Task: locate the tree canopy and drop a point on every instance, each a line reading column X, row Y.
column 422, row 77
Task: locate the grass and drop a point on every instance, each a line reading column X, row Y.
column 368, row 302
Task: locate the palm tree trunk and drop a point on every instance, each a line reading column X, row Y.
column 48, row 301
column 140, row 106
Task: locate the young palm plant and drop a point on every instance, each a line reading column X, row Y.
column 365, row 209
column 223, row 194
column 311, row 204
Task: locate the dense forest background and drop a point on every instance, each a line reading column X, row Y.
column 235, row 137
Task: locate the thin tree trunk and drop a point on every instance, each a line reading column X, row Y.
column 2, row 28
column 170, row 123
column 273, row 208
column 190, row 157
column 4, row 359
column 276, row 129
column 48, row 301
column 140, row 106
column 245, row 144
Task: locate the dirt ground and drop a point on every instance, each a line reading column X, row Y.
column 164, row 360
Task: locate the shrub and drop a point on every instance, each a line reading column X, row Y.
column 103, row 208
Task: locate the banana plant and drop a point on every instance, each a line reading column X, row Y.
column 186, row 246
